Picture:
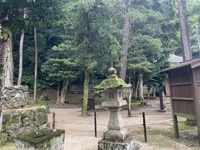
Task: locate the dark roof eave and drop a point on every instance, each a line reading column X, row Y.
column 192, row 63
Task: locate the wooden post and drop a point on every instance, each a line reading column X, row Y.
column 144, row 125
column 196, row 85
column 175, row 120
column 176, row 130
column 53, row 120
column 95, row 123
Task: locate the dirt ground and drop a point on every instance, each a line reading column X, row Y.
column 79, row 131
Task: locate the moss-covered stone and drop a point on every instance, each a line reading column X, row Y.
column 41, row 116
column 19, row 121
column 5, row 121
column 15, row 118
column 15, row 97
column 113, row 81
column 40, row 136
column 1, row 69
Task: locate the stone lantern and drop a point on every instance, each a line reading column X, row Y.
column 117, row 136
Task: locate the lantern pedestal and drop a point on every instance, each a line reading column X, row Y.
column 128, row 144
column 117, row 137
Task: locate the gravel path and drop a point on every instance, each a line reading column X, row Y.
column 79, row 131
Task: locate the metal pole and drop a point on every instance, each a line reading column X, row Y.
column 53, row 120
column 144, row 125
column 95, row 123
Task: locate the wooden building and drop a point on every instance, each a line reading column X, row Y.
column 184, row 83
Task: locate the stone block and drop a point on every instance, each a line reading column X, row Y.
column 15, row 122
column 116, row 135
column 15, row 97
column 44, row 139
column 129, row 144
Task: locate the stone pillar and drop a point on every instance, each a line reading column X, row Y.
column 116, row 130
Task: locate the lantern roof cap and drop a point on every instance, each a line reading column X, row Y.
column 112, row 81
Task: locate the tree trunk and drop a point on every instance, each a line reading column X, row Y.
column 110, row 63
column 58, row 94
column 154, row 92
column 8, row 62
column 125, row 40
column 20, row 58
column 63, row 92
column 198, row 38
column 187, row 54
column 129, row 102
column 148, row 93
column 85, row 91
column 2, row 49
column 137, row 89
column 36, row 64
column 140, row 78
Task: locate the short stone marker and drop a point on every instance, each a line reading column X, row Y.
column 117, row 137
column 44, row 139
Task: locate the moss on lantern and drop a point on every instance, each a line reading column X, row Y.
column 112, row 81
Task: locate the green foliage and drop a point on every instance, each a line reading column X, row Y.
column 94, row 33
column 144, row 51
column 28, row 79
column 194, row 24
column 79, row 34
column 61, row 64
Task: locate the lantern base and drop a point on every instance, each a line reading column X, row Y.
column 128, row 144
column 116, row 135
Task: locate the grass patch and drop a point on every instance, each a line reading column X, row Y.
column 156, row 137
column 137, row 103
column 161, row 141
column 7, row 146
column 155, row 131
column 165, row 138
column 184, row 127
column 52, row 104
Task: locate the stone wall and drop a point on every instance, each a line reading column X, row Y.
column 14, row 97
column 23, row 120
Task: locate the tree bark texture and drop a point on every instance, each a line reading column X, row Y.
column 85, row 91
column 187, row 53
column 125, row 40
column 198, row 37
column 8, row 62
column 140, row 78
column 58, row 94
column 129, row 102
column 110, row 63
column 63, row 92
column 20, row 58
column 137, row 89
column 36, row 64
column 2, row 48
